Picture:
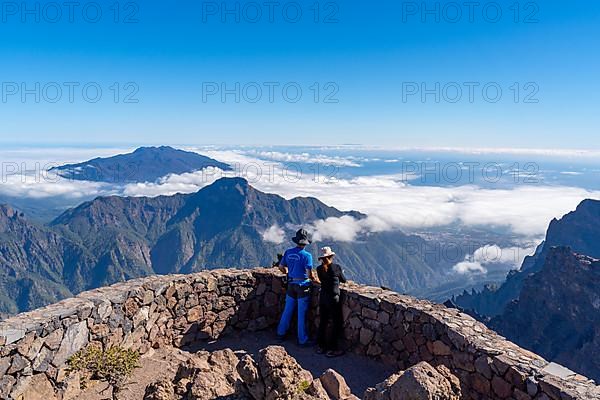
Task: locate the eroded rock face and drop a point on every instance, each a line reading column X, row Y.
column 278, row 376
column 210, row 376
column 420, row 382
column 282, row 375
column 160, row 390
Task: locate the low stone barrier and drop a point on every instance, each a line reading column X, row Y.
column 180, row 310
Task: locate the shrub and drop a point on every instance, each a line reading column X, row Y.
column 303, row 386
column 113, row 365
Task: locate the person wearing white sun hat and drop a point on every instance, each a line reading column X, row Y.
column 330, row 308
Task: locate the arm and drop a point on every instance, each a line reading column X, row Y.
column 312, row 273
column 341, row 275
column 283, row 264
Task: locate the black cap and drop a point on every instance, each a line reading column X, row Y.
column 302, row 238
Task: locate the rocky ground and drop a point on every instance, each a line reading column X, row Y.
column 271, row 374
column 360, row 372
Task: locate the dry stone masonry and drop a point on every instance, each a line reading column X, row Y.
column 179, row 310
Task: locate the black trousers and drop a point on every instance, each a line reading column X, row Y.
column 330, row 310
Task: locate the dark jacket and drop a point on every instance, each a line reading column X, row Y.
column 330, row 282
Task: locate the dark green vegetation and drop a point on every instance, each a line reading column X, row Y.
column 113, row 365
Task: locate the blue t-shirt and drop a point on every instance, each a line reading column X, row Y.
column 298, row 262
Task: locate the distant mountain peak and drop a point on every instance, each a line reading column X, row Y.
column 231, row 185
column 232, row 182
column 145, row 164
column 589, row 205
column 156, row 149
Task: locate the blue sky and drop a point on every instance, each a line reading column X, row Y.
column 365, row 57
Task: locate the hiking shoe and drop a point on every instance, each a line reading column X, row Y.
column 335, row 353
column 308, row 343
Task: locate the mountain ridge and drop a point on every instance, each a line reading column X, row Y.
column 110, row 239
column 557, row 312
column 575, row 229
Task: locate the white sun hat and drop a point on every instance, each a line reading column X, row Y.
column 326, row 252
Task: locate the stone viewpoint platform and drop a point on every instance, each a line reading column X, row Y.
column 180, row 310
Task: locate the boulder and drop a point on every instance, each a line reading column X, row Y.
column 335, row 385
column 209, row 375
column 382, row 390
column 277, row 375
column 420, row 382
column 282, row 374
column 317, row 391
column 450, row 377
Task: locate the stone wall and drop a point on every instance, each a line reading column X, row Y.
column 401, row 331
column 183, row 309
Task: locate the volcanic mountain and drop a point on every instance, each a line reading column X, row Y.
column 146, row 164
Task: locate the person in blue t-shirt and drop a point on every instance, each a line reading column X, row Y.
column 297, row 263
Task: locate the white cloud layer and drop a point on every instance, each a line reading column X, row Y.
column 275, row 234
column 389, row 200
column 524, row 151
column 34, row 187
column 346, row 228
column 492, row 255
column 526, row 210
column 302, row 158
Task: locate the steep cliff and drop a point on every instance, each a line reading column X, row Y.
column 557, row 314
column 579, row 230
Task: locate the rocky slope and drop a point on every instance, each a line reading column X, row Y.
column 275, row 375
column 34, row 263
column 112, row 239
column 579, row 230
column 172, row 374
column 146, row 164
column 557, row 314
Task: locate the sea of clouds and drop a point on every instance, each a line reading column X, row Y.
column 391, row 202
